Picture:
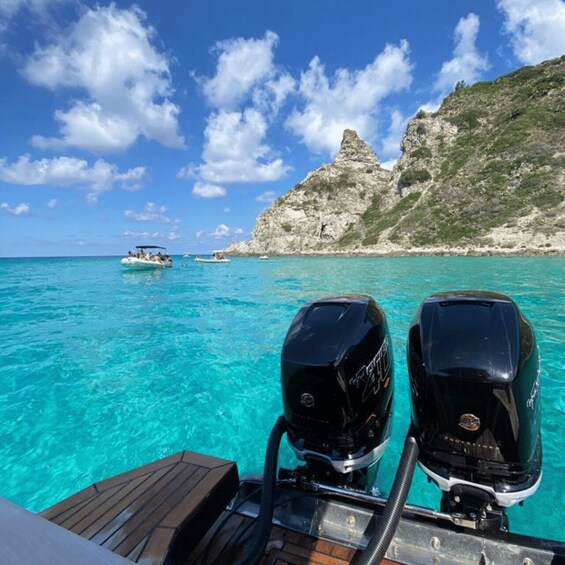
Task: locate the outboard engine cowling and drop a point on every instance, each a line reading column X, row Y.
column 474, row 371
column 337, row 383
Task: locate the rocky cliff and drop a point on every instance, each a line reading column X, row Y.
column 314, row 216
column 484, row 174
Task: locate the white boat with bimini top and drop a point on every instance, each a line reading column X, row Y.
column 147, row 257
column 216, row 257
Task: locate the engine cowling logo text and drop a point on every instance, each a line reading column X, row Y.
column 374, row 374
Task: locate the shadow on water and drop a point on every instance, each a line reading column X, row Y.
column 143, row 277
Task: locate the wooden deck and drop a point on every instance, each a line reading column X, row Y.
column 284, row 547
column 154, row 513
column 174, row 511
column 170, row 511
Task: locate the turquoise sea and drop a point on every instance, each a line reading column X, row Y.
column 102, row 370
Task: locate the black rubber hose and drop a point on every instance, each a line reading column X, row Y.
column 390, row 517
column 265, row 516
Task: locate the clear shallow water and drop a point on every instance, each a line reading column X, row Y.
column 103, row 370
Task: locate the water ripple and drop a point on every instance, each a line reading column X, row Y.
column 102, row 370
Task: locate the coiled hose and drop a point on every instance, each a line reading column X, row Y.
column 376, row 549
column 265, row 516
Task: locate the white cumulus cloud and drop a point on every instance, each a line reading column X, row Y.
column 273, row 94
column 267, row 197
column 9, row 8
column 223, row 231
column 247, row 92
column 137, row 235
column 537, row 28
column 467, row 63
column 207, row 190
column 70, row 171
column 36, row 10
column 108, row 54
column 19, row 210
column 150, row 213
column 349, row 99
column 235, row 151
column 243, row 64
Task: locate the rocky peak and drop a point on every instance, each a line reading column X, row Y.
column 315, row 215
column 354, row 149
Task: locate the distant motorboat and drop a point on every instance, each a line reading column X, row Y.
column 145, row 257
column 264, row 257
column 216, row 257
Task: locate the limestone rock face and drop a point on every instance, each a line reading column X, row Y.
column 354, row 150
column 485, row 174
column 317, row 213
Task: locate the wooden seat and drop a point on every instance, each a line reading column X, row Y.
column 153, row 513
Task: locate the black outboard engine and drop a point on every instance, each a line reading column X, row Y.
column 474, row 371
column 337, row 387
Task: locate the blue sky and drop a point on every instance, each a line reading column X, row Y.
column 176, row 123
